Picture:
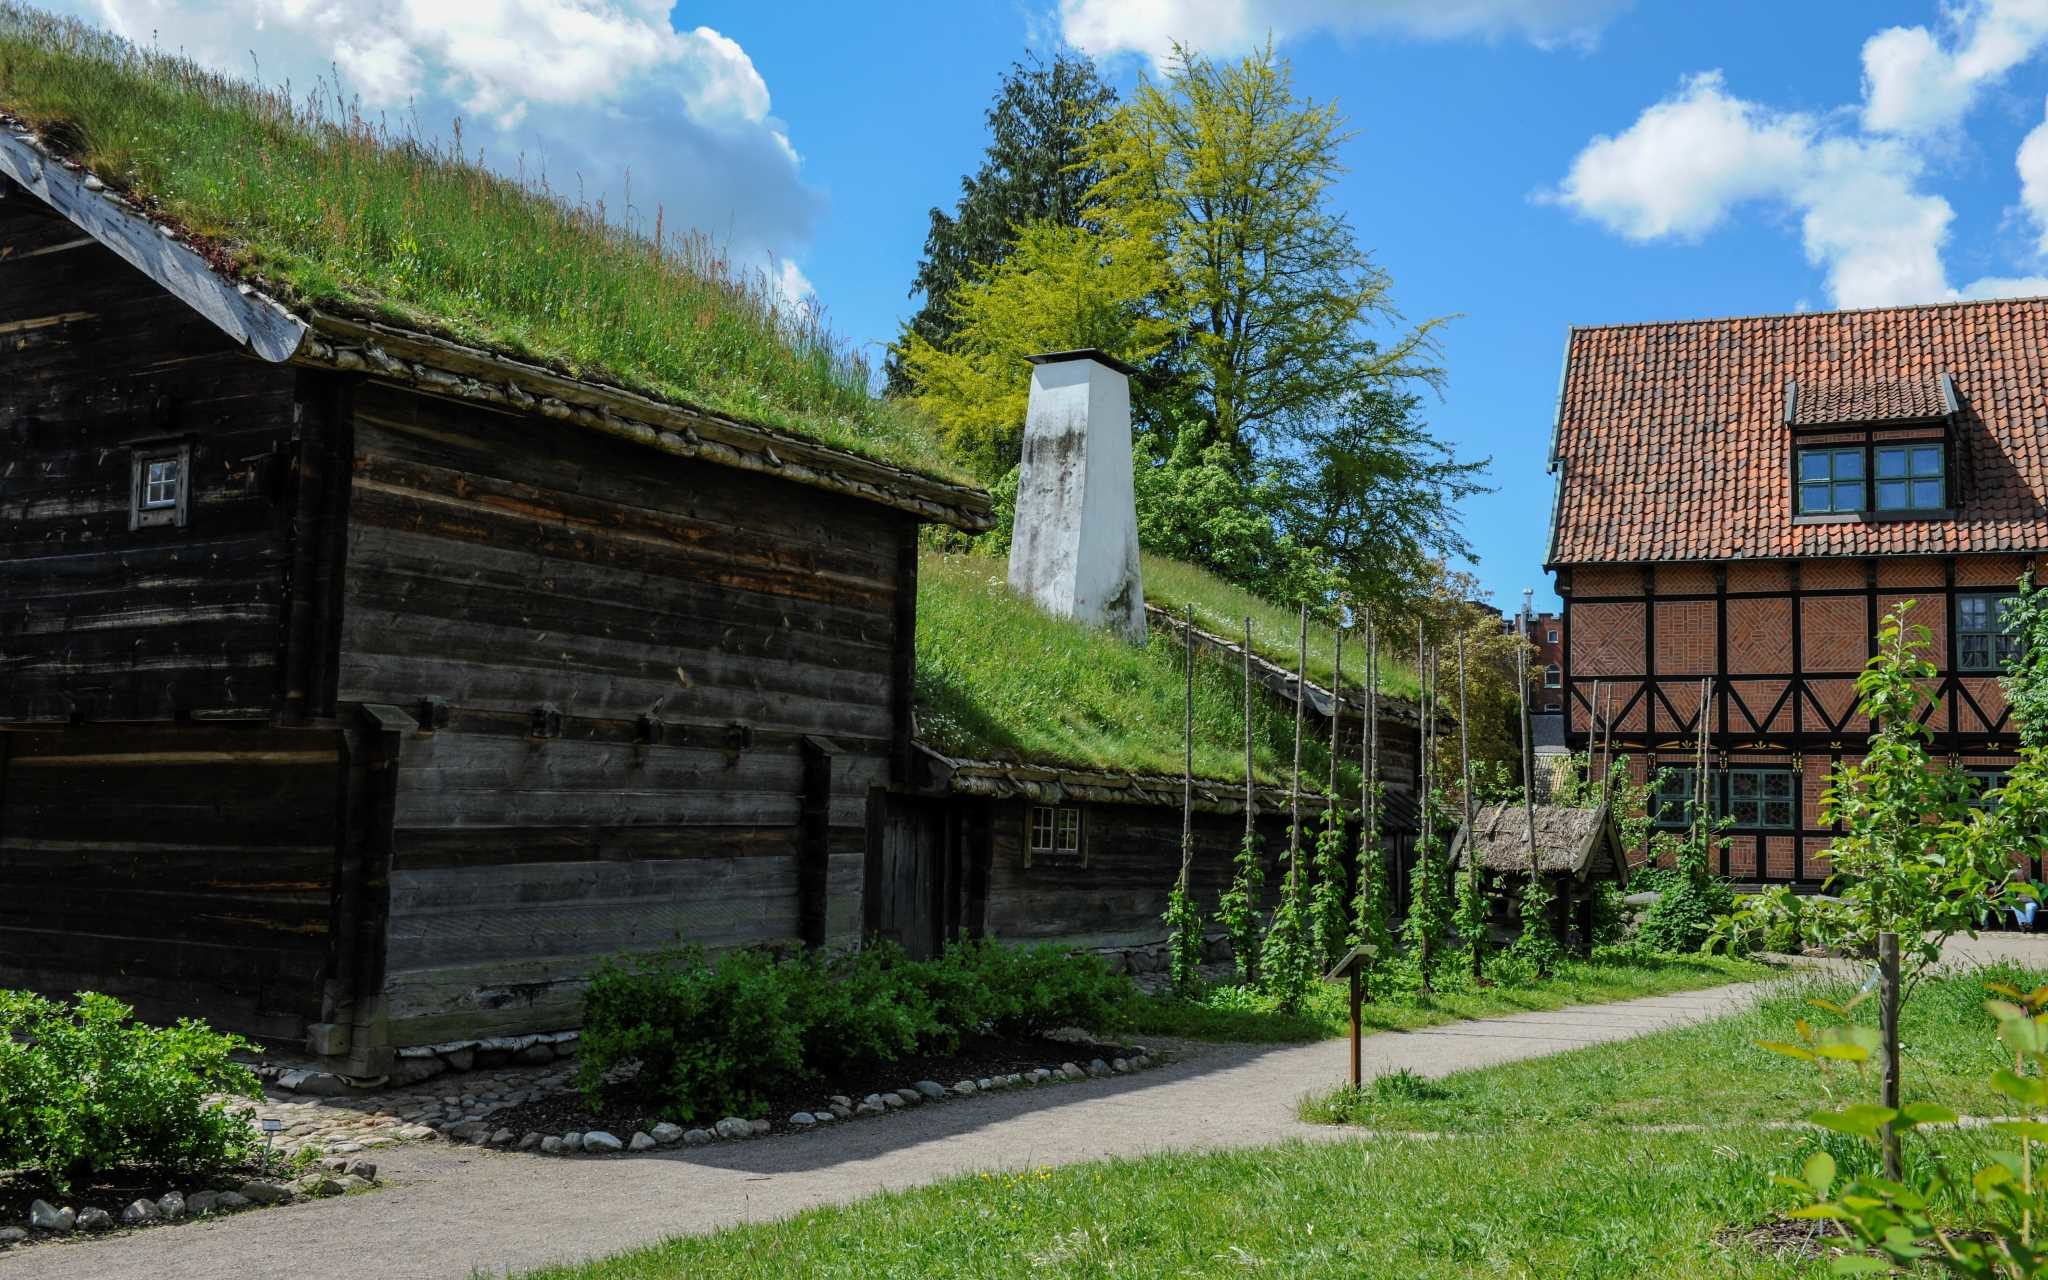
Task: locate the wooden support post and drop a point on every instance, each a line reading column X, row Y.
column 814, row 838
column 1357, row 1035
column 1187, row 784
column 1465, row 786
column 1888, row 1020
column 1251, row 796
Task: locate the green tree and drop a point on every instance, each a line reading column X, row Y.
column 1035, row 170
column 1058, row 288
column 1227, row 171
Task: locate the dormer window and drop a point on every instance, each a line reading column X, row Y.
column 1910, row 477
column 1830, row 481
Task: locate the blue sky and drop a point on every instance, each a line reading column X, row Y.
column 1524, row 164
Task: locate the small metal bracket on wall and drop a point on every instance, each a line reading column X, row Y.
column 433, row 713
column 547, row 721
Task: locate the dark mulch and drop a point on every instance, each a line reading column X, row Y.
column 1801, row 1238
column 1792, row 1238
column 112, row 1190
column 985, row 1056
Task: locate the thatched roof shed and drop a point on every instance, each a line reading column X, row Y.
column 1581, row 843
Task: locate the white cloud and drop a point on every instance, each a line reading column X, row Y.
column 1915, row 83
column 604, row 97
column 2032, row 163
column 1686, row 162
column 1858, row 194
column 1229, row 27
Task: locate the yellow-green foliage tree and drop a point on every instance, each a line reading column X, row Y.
column 1061, row 287
column 1226, row 171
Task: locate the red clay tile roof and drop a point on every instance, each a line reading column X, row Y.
column 1672, row 442
column 1818, row 403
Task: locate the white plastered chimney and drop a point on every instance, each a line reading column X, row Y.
column 1074, row 549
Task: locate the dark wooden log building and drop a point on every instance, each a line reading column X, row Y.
column 1742, row 500
column 365, row 689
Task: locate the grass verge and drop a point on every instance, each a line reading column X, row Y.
column 1712, row 1073
column 1234, row 1013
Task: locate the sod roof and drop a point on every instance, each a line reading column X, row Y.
column 998, row 679
column 331, row 214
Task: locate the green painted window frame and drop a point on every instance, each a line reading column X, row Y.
column 1752, row 810
column 1920, row 487
column 1982, row 643
column 1832, row 488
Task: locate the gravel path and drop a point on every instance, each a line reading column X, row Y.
column 447, row 1211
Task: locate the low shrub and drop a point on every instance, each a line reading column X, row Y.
column 715, row 1038
column 85, row 1088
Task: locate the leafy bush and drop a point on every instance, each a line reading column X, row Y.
column 84, row 1088
column 708, row 1038
column 713, row 1039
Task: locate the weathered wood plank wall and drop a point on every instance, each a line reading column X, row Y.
column 629, row 651
column 98, row 621
column 187, row 869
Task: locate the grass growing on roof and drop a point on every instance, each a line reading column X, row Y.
column 998, row 678
column 1221, row 608
column 330, row 209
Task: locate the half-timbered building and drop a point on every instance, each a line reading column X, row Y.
column 1740, row 501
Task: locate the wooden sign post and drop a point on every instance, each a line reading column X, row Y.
column 1353, row 966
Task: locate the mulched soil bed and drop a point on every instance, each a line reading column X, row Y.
column 112, row 1190
column 985, row 1056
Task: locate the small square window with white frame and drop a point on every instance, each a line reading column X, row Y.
column 159, row 485
column 1054, row 833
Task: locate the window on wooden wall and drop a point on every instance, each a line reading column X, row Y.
column 1830, row 481
column 1910, row 477
column 1981, row 640
column 1763, row 799
column 159, row 485
column 1054, row 831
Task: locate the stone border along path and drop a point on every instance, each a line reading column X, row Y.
column 449, row 1210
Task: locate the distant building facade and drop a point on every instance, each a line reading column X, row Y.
column 1740, row 501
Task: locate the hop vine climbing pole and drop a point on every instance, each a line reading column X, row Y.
column 1183, row 922
column 1241, row 905
column 1475, row 887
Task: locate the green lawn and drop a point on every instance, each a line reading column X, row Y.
column 1584, row 1166
column 1713, row 1073
column 326, row 208
column 1232, row 1013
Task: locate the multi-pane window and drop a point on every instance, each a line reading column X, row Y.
column 1986, row 784
column 1981, row 640
column 1909, row 477
column 1055, row 829
column 1830, row 481
column 160, row 480
column 1755, row 799
column 1762, row 799
column 1552, row 678
column 1675, row 795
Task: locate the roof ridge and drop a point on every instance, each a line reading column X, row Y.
column 1798, row 315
